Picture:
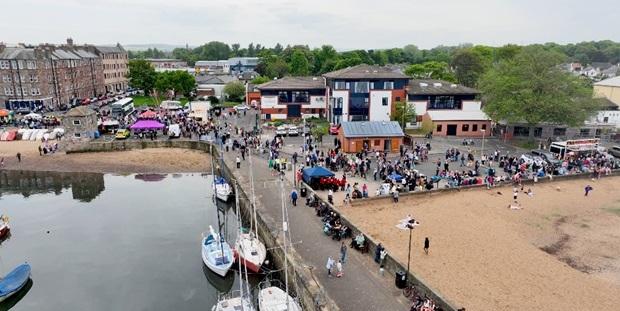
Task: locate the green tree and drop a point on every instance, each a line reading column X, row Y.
column 507, row 52
column 213, row 50
column 468, row 67
column 260, row 80
column 431, row 70
column 299, row 64
column 403, row 113
column 318, row 131
column 531, row 88
column 235, row 91
column 142, row 75
column 183, row 83
column 278, row 68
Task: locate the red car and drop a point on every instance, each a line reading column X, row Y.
column 333, row 129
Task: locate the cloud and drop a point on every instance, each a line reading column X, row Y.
column 345, row 24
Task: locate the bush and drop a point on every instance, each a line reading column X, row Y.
column 214, row 100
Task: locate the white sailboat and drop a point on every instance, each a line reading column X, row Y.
column 249, row 249
column 216, row 253
column 273, row 298
column 238, row 300
column 223, row 192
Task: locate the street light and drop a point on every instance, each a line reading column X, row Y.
column 482, row 151
column 408, row 224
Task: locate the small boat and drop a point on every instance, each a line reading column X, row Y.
column 234, row 302
column 222, row 189
column 14, row 281
column 250, row 251
column 216, row 253
column 5, row 229
column 273, row 298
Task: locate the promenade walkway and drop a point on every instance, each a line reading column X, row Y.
column 361, row 288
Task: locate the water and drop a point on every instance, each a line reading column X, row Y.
column 109, row 242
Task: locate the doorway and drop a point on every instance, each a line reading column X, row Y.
column 451, row 130
column 387, row 145
column 293, row 111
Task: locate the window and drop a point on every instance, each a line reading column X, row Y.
column 361, row 87
column 340, row 85
column 8, row 91
column 465, row 128
column 6, row 78
column 339, row 102
column 31, row 65
column 388, row 85
column 35, row 91
column 444, row 102
column 397, row 98
column 77, row 135
column 584, row 132
column 76, row 122
column 4, row 64
column 484, row 127
column 439, row 128
column 537, row 131
column 377, row 142
column 559, row 131
column 474, row 127
column 384, row 101
column 522, row 131
column 372, row 85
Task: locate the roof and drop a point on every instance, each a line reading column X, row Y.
column 457, row 115
column 110, row 49
column 294, row 83
column 155, row 60
column 372, row 129
column 609, row 82
column 601, row 65
column 364, row 71
column 438, row 87
column 215, row 79
column 17, row 53
column 81, row 111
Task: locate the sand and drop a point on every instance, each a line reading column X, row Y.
column 560, row 252
column 156, row 160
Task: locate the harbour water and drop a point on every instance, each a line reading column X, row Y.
column 110, row 242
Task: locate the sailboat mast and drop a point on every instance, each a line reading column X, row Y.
column 253, row 196
column 239, row 261
column 284, row 232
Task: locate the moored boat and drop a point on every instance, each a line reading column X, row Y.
column 14, row 281
column 5, row 229
column 250, row 251
column 216, row 253
column 234, row 302
column 223, row 191
column 273, row 298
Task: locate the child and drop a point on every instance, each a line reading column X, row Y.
column 339, row 268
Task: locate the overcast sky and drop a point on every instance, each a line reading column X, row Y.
column 345, row 24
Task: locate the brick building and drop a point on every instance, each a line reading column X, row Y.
column 293, row 98
column 58, row 76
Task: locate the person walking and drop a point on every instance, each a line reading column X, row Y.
column 19, row 157
column 343, row 252
column 294, row 197
column 395, row 195
column 329, row 266
column 238, row 162
column 588, row 188
column 40, row 150
column 427, row 244
column 339, row 272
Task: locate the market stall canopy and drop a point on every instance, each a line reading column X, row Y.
column 316, row 172
column 110, row 123
column 146, row 125
column 33, row 115
column 149, row 114
column 4, row 113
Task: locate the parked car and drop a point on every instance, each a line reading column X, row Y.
column 242, row 107
column 281, row 131
column 293, row 131
column 530, row 159
column 122, row 134
column 615, row 151
column 547, row 156
column 333, row 129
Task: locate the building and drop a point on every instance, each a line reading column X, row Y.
column 293, row 97
column 609, row 89
column 80, row 122
column 374, row 135
column 247, row 76
column 115, row 67
column 54, row 76
column 239, row 65
column 212, row 85
column 211, row 67
column 252, row 95
column 234, row 65
column 167, row 63
column 363, row 93
column 453, row 109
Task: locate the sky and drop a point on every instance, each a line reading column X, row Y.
column 344, row 24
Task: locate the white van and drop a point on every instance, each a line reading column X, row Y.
column 174, row 131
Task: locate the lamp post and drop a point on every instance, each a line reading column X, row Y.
column 408, row 224
column 482, row 151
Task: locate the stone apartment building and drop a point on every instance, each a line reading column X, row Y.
column 59, row 76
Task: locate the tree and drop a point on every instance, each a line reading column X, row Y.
column 403, row 113
column 299, row 64
column 213, row 50
column 277, row 68
column 260, row 80
column 431, row 70
column 531, row 88
column 142, row 75
column 235, row 91
column 179, row 82
column 468, row 67
column 318, row 131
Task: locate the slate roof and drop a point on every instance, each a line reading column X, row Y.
column 438, row 87
column 17, row 53
column 294, row 83
column 215, row 79
column 372, row 129
column 80, row 111
column 364, row 71
column 110, row 49
column 609, row 82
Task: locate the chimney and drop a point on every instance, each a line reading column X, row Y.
column 2, row 46
column 69, row 42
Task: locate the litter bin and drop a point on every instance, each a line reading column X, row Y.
column 401, row 279
column 303, row 192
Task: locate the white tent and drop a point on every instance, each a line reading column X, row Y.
column 33, row 115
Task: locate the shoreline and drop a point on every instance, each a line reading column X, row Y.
column 153, row 160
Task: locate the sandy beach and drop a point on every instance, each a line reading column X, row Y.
column 560, row 252
column 156, row 160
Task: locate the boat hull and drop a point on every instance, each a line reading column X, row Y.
column 251, row 252
column 275, row 299
column 13, row 282
column 4, row 230
column 219, row 269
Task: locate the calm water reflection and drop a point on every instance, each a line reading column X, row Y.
column 107, row 242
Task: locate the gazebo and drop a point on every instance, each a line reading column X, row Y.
column 143, row 125
column 149, row 114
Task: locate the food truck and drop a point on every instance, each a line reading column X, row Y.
column 563, row 149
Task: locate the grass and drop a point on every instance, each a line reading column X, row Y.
column 139, row 101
